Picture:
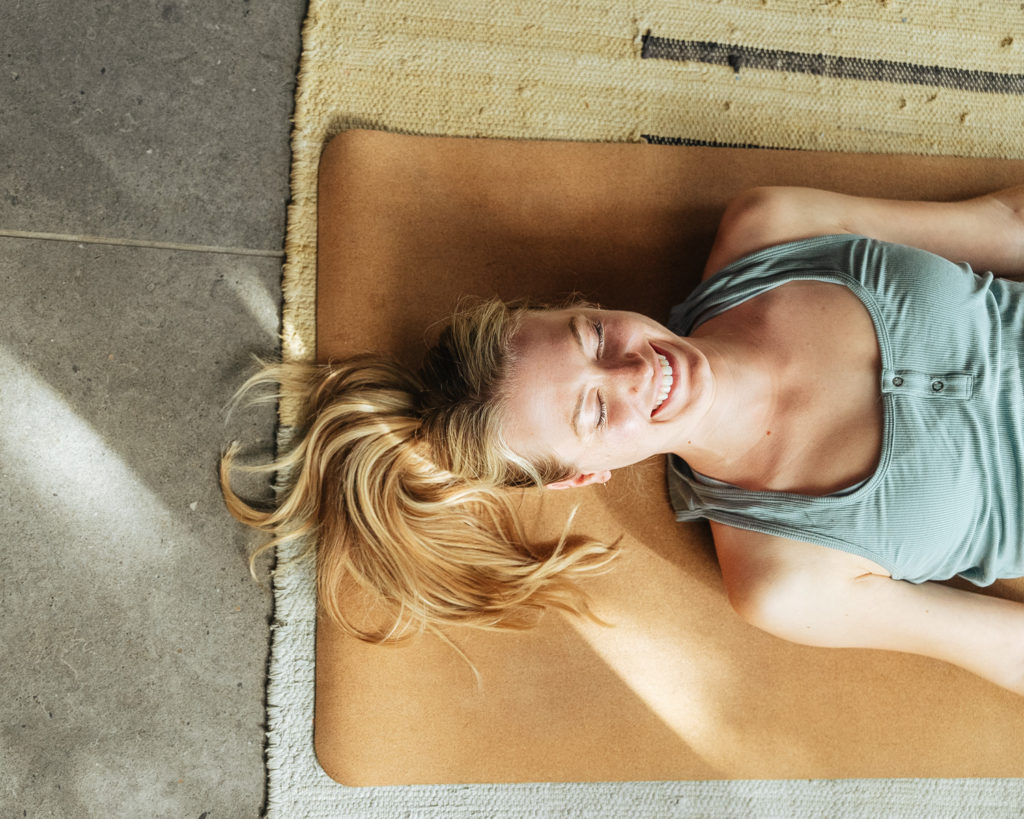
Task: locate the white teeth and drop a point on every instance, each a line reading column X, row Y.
column 666, row 381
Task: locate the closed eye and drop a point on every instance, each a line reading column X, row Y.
column 576, row 330
column 602, row 416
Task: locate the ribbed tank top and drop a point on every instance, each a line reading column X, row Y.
column 946, row 496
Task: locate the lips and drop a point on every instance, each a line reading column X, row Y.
column 665, row 380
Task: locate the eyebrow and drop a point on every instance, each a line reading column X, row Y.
column 574, row 328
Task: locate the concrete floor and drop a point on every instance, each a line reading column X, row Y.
column 144, row 168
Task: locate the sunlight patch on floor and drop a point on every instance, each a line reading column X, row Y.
column 258, row 302
column 74, row 475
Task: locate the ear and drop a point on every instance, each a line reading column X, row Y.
column 581, row 479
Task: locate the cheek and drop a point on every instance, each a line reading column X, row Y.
column 527, row 430
column 630, row 424
column 632, row 438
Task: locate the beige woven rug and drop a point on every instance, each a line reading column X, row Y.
column 939, row 77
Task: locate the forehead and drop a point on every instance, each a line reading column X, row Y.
column 541, row 389
column 542, row 351
column 547, row 344
column 539, row 329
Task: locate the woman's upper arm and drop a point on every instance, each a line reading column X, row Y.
column 986, row 231
column 819, row 596
column 781, row 584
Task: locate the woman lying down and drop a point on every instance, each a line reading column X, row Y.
column 842, row 397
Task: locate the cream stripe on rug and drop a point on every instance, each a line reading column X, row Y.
column 940, row 77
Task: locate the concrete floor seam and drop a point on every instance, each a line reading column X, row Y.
column 104, row 240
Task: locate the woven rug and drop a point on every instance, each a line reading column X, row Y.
column 871, row 76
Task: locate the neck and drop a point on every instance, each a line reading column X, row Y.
column 733, row 440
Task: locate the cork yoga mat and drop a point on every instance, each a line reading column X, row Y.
column 677, row 686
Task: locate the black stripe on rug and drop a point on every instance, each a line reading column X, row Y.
column 827, row 65
column 654, row 139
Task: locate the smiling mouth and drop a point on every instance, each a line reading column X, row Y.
column 665, row 386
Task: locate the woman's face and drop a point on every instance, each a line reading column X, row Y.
column 602, row 389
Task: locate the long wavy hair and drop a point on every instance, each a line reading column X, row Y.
column 401, row 479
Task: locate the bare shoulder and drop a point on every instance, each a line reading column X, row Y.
column 783, row 585
column 767, row 216
column 742, row 550
column 822, row 597
column 800, row 591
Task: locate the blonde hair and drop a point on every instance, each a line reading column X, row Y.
column 401, row 479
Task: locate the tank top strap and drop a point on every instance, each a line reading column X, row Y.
column 819, row 257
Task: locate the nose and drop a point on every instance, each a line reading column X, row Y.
column 625, row 376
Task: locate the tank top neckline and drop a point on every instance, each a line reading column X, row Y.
column 694, row 318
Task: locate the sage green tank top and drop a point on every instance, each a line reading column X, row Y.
column 946, row 496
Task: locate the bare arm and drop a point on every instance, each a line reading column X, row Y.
column 818, row 596
column 987, row 231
